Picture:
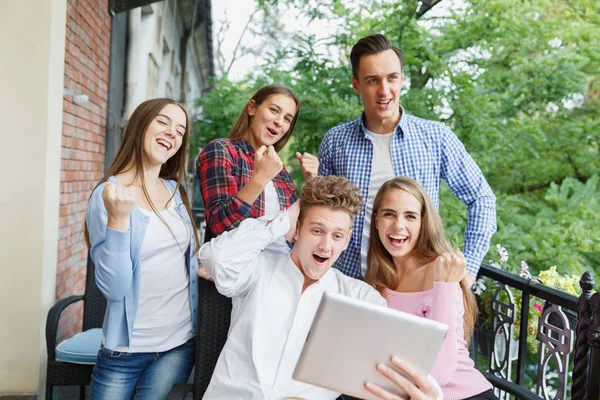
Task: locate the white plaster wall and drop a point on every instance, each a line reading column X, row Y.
column 31, row 90
column 192, row 75
column 143, row 33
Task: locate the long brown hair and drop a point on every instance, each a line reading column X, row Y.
column 243, row 123
column 131, row 155
column 431, row 243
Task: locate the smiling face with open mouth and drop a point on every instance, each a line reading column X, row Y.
column 320, row 239
column 164, row 135
column 270, row 120
column 379, row 83
column 398, row 221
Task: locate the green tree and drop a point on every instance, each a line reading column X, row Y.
column 517, row 81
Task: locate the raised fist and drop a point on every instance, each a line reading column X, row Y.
column 267, row 163
column 309, row 165
column 450, row 267
column 118, row 201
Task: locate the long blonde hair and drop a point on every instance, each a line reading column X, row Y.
column 243, row 122
column 431, row 243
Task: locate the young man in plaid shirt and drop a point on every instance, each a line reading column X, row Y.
column 386, row 142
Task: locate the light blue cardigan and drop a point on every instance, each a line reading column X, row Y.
column 117, row 258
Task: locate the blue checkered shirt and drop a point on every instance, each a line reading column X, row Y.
column 425, row 151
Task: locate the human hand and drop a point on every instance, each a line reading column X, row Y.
column 293, row 213
column 309, row 165
column 118, row 201
column 202, row 273
column 470, row 279
column 421, row 389
column 450, row 267
column 267, row 164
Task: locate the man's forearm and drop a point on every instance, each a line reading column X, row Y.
column 481, row 226
column 231, row 258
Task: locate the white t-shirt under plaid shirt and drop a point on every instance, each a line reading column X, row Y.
column 382, row 171
column 426, row 151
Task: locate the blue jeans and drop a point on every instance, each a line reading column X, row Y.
column 121, row 376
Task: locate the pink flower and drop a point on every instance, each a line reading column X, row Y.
column 539, row 307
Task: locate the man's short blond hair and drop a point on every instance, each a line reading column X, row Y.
column 335, row 192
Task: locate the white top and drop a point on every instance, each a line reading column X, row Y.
column 382, row 171
column 163, row 319
column 272, row 207
column 271, row 316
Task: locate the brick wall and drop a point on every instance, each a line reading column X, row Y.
column 87, row 55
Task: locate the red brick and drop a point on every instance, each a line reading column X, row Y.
column 87, row 38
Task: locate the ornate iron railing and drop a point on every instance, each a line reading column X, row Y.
column 567, row 325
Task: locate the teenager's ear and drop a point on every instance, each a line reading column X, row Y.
column 251, row 108
column 348, row 239
column 355, row 84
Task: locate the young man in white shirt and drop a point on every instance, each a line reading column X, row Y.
column 275, row 296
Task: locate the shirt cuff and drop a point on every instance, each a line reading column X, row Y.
column 443, row 307
column 446, row 289
column 473, row 263
column 243, row 208
column 279, row 224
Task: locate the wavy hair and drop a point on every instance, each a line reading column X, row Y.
column 243, row 122
column 431, row 243
column 335, row 192
column 131, row 155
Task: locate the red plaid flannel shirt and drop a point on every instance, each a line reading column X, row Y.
column 224, row 166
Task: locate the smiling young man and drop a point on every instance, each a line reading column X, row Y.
column 385, row 142
column 275, row 296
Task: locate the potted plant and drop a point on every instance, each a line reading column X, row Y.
column 485, row 288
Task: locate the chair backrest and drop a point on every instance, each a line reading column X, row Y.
column 214, row 317
column 94, row 302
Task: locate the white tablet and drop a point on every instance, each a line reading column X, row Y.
column 349, row 337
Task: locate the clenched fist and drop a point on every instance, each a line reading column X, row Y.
column 450, row 267
column 118, row 201
column 267, row 163
column 309, row 165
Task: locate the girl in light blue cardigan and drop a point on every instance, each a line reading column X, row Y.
column 143, row 242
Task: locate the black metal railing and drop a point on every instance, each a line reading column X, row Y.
column 567, row 325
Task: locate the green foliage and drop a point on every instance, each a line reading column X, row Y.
column 221, row 107
column 558, row 226
column 517, row 81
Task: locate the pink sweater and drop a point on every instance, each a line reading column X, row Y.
column 453, row 368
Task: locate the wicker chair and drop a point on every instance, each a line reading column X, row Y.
column 60, row 373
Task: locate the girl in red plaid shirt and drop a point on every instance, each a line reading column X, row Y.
column 242, row 176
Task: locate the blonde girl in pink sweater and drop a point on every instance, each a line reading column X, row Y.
column 412, row 264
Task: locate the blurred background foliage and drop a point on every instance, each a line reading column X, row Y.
column 517, row 81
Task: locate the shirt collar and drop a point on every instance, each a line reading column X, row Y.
column 245, row 146
column 325, row 280
column 401, row 128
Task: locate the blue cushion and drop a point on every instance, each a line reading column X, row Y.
column 81, row 348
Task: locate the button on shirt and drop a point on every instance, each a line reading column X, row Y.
column 426, row 151
column 271, row 317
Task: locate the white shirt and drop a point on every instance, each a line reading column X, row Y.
column 272, row 208
column 163, row 319
column 382, row 171
column 271, row 316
